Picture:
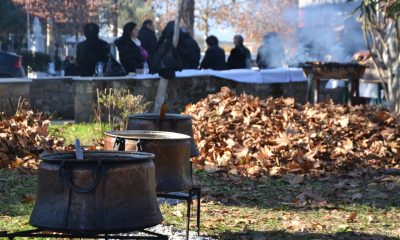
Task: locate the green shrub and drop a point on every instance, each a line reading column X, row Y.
column 37, row 62
column 114, row 106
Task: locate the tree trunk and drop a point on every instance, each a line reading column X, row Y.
column 187, row 14
column 382, row 35
column 114, row 10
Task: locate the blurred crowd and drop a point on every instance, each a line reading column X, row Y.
column 140, row 51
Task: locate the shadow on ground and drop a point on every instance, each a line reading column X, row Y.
column 293, row 191
column 282, row 235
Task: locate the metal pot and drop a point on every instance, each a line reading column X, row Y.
column 171, row 150
column 170, row 123
column 106, row 192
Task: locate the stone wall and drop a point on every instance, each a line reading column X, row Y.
column 53, row 95
column 11, row 90
column 75, row 98
column 180, row 92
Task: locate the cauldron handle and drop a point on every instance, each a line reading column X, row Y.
column 119, row 144
column 139, row 145
column 66, row 176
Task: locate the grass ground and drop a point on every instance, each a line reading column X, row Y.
column 355, row 206
column 240, row 208
column 89, row 134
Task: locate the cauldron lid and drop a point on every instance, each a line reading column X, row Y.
column 155, row 116
column 95, row 156
column 146, row 134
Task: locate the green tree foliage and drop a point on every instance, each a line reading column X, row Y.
column 12, row 20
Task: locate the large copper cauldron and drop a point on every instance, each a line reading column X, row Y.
column 106, row 192
column 170, row 123
column 171, row 150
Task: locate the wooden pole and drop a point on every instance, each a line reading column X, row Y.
column 163, row 84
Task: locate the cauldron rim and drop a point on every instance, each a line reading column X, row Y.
column 147, row 135
column 95, row 156
column 155, row 116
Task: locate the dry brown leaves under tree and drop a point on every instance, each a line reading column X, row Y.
column 23, row 137
column 252, row 137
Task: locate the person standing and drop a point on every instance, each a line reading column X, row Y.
column 147, row 37
column 189, row 50
column 131, row 53
column 91, row 50
column 271, row 54
column 240, row 56
column 214, row 57
column 167, row 58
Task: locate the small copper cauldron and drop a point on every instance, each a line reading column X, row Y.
column 171, row 150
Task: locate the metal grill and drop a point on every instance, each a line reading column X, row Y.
column 316, row 71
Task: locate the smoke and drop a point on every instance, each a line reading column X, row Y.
column 328, row 32
column 325, row 32
column 271, row 53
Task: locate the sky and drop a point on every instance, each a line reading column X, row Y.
column 223, row 33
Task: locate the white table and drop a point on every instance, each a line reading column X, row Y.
column 265, row 76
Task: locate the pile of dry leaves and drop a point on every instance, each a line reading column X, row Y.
column 249, row 136
column 23, row 137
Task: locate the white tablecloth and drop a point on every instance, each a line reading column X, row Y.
column 179, row 74
column 264, row 76
column 367, row 90
column 278, row 75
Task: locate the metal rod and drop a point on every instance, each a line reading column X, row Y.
column 194, row 191
column 198, row 210
column 189, row 201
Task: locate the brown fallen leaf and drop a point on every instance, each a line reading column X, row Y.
column 344, row 121
column 296, row 225
column 347, row 144
column 352, row 217
column 28, row 198
column 242, row 221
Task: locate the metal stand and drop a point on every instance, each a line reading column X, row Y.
column 42, row 233
column 194, row 191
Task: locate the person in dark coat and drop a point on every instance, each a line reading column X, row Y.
column 131, row 53
column 148, row 38
column 240, row 56
column 70, row 66
column 214, row 57
column 91, row 50
column 189, row 51
column 167, row 58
